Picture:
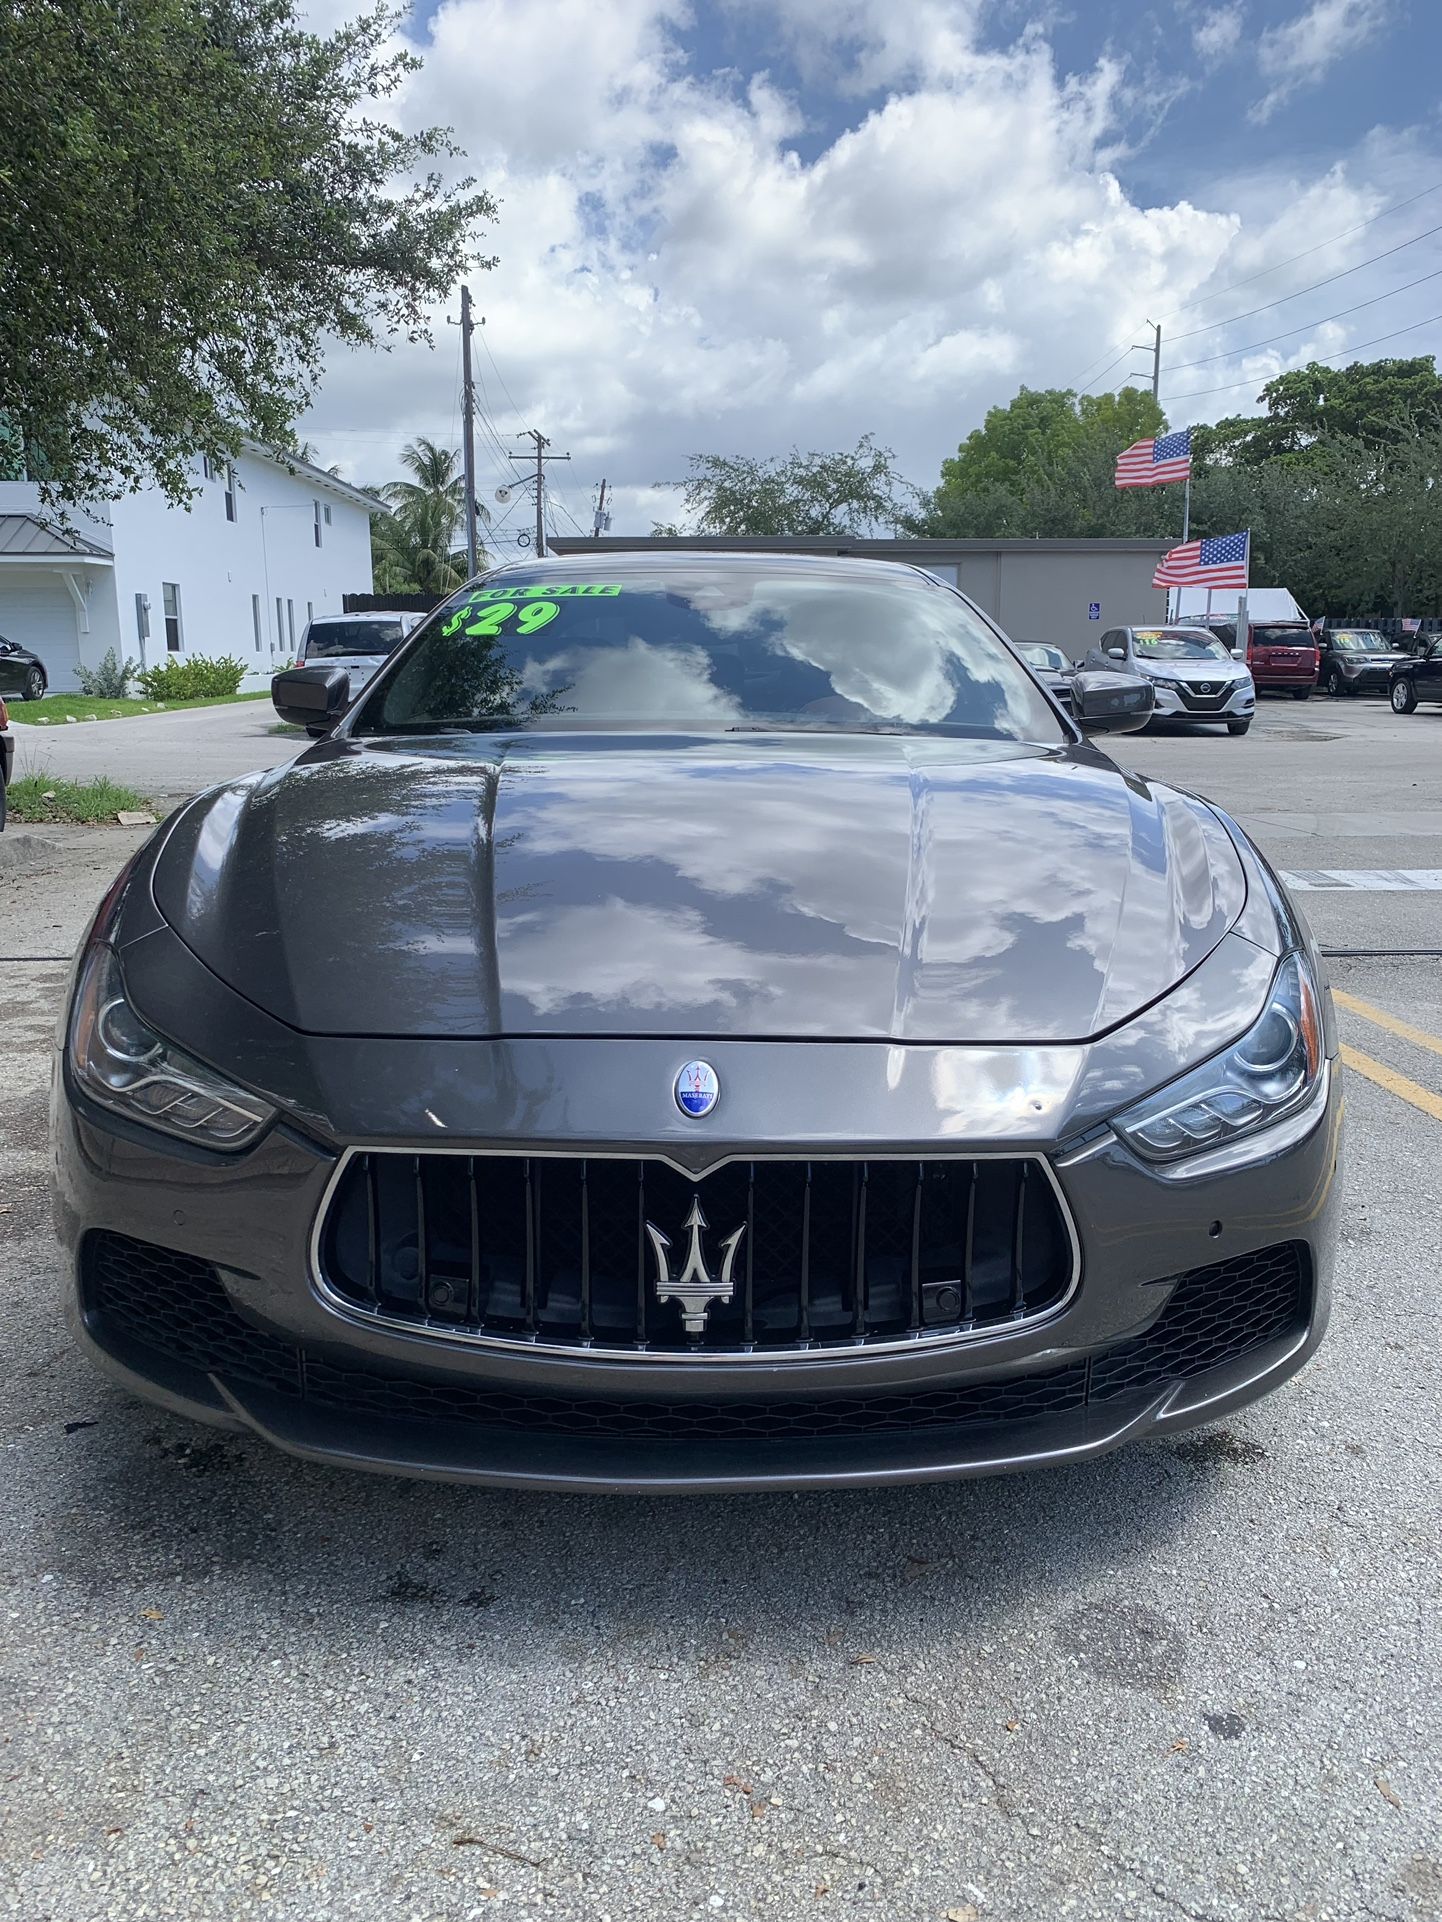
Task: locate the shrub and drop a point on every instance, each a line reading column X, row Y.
column 191, row 680
column 110, row 681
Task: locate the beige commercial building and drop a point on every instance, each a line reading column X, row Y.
column 1065, row 592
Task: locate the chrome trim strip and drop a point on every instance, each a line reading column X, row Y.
column 359, row 1317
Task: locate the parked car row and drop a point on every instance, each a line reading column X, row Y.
column 1198, row 674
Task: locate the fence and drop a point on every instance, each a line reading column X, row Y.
column 390, row 603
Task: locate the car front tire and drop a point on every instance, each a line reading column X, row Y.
column 34, row 687
column 1336, row 685
column 1403, row 697
column 1238, row 727
column 1301, row 694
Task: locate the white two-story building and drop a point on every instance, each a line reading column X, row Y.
column 265, row 544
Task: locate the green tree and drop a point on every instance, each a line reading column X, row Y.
column 414, row 547
column 193, row 195
column 1043, row 465
column 1375, row 402
column 797, row 494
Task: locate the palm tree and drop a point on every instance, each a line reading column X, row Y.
column 428, row 512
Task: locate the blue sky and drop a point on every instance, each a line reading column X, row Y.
column 741, row 227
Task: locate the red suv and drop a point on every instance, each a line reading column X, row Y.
column 1280, row 654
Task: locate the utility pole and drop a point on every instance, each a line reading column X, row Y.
column 603, row 519
column 534, row 434
column 468, row 441
column 1156, row 327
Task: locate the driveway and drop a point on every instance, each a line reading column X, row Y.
column 163, row 755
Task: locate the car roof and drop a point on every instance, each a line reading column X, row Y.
column 688, row 560
column 366, row 614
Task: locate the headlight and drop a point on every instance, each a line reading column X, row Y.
column 1265, row 1076
column 123, row 1065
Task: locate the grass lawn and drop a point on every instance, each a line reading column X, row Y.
column 36, row 800
column 88, row 707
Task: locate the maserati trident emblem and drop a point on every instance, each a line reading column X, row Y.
column 696, row 1089
column 694, row 1289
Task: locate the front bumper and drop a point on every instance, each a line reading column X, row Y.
column 225, row 1325
column 1366, row 680
column 1174, row 701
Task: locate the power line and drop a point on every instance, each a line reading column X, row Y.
column 1262, row 273
column 1195, row 393
column 1387, row 253
column 1291, row 259
column 1106, row 370
column 1234, row 353
column 504, row 389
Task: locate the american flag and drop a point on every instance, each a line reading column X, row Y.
column 1216, row 563
column 1154, row 463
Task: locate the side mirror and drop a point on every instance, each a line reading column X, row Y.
column 311, row 697
column 1105, row 703
column 1115, row 653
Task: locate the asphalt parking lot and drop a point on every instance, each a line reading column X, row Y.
column 1198, row 1679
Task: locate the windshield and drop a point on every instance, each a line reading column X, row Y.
column 732, row 645
column 1357, row 640
column 1161, row 644
column 360, row 636
column 1036, row 654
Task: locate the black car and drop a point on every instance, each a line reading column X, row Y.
column 1416, row 679
column 21, row 672
column 1051, row 667
column 699, row 1021
column 1357, row 660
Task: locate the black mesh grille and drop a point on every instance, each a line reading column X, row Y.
column 569, row 1251
column 1200, row 703
column 174, row 1306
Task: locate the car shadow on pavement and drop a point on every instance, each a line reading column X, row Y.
column 868, row 1567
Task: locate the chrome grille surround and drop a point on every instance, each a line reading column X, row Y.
column 966, row 1330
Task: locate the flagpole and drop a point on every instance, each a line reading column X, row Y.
column 1187, row 508
column 1243, row 633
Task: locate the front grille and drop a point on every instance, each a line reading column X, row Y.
column 1204, row 703
column 569, row 1252
column 174, row 1307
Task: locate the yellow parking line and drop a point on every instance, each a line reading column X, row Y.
column 1381, row 1019
column 1393, row 1082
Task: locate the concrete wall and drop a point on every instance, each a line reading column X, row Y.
column 228, row 571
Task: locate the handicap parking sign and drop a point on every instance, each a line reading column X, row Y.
column 1094, row 610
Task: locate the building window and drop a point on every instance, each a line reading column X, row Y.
column 230, row 493
column 290, row 622
column 316, row 506
column 255, row 620
column 279, row 621
column 207, row 467
column 327, row 513
column 170, row 596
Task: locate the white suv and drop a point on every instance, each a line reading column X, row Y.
column 1194, row 676
column 356, row 642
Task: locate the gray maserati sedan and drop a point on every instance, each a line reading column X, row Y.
column 699, row 1022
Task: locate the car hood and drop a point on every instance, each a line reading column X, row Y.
column 871, row 887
